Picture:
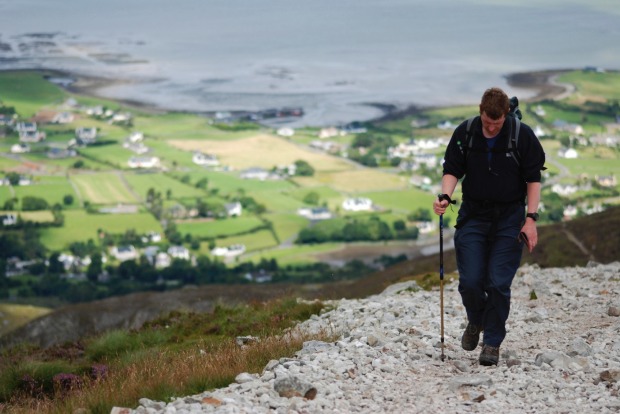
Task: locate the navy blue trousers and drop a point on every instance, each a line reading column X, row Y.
column 488, row 255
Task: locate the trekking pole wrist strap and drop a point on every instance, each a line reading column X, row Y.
column 442, row 197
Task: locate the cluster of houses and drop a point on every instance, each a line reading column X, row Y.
column 159, row 259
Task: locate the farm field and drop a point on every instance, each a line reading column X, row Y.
column 103, row 188
column 262, row 150
column 100, row 176
column 81, row 226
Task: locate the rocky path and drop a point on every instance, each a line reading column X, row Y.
column 562, row 355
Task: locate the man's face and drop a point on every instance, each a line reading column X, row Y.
column 491, row 127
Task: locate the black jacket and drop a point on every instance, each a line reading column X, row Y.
column 501, row 180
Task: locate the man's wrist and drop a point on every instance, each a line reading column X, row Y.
column 534, row 216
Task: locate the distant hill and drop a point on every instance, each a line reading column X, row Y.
column 574, row 243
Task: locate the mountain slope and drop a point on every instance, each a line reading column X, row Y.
column 575, row 243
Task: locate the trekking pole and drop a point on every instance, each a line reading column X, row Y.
column 441, row 198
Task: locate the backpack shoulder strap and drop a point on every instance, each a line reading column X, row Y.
column 469, row 134
column 513, row 149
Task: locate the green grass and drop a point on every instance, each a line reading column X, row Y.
column 184, row 126
column 260, row 240
column 401, row 201
column 219, row 228
column 103, row 188
column 287, row 226
column 228, row 183
column 14, row 316
column 295, row 254
column 195, row 351
column 591, row 84
column 276, row 201
column 80, row 226
column 50, row 188
column 161, row 183
column 28, row 92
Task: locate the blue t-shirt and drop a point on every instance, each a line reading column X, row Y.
column 490, row 144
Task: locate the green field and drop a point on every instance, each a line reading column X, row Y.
column 102, row 176
column 141, row 183
column 50, row 188
column 103, row 188
column 217, row 228
column 81, row 226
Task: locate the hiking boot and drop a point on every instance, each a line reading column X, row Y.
column 471, row 337
column 489, row 355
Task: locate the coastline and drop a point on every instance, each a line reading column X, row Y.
column 542, row 82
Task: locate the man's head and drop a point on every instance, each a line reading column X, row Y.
column 494, row 107
column 495, row 103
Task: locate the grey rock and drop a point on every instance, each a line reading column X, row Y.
column 294, row 387
column 470, row 381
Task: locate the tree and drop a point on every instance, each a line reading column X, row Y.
column 303, row 169
column 55, row 266
column 312, row 198
column 202, row 183
column 95, row 268
column 67, row 200
column 399, row 225
column 13, row 178
column 30, row 203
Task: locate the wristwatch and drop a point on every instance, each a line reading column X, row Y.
column 533, row 216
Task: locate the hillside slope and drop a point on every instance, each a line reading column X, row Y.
column 575, row 243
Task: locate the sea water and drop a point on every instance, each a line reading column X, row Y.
column 333, row 58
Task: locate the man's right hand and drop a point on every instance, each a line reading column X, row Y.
column 439, row 207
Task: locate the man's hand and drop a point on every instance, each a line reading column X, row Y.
column 440, row 204
column 531, row 234
column 439, row 207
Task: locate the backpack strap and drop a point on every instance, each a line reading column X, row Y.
column 469, row 134
column 513, row 149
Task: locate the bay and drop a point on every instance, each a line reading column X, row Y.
column 332, row 58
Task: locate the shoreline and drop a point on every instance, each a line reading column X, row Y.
column 542, row 82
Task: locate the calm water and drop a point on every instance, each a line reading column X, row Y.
column 329, row 56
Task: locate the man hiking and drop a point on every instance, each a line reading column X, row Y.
column 501, row 160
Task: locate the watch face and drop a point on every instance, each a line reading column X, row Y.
column 534, row 216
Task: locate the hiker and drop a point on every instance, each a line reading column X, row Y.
column 501, row 160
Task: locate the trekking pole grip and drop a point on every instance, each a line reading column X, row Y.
column 442, row 197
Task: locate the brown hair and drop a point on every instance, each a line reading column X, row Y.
column 495, row 103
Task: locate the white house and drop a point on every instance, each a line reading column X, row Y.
column 564, row 190
column 606, row 180
column 425, row 227
column 121, row 117
column 178, row 252
column 143, row 162
column 315, row 213
column 26, row 127
column 123, row 253
column 20, row 148
column 63, row 118
column 9, row 219
column 570, row 212
column 136, row 137
column 86, row 135
column 568, row 153
column 357, row 204
column 329, row 132
column 285, row 132
column 31, row 136
column 230, row 251
column 209, row 160
column 255, row 173
column 233, row 209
